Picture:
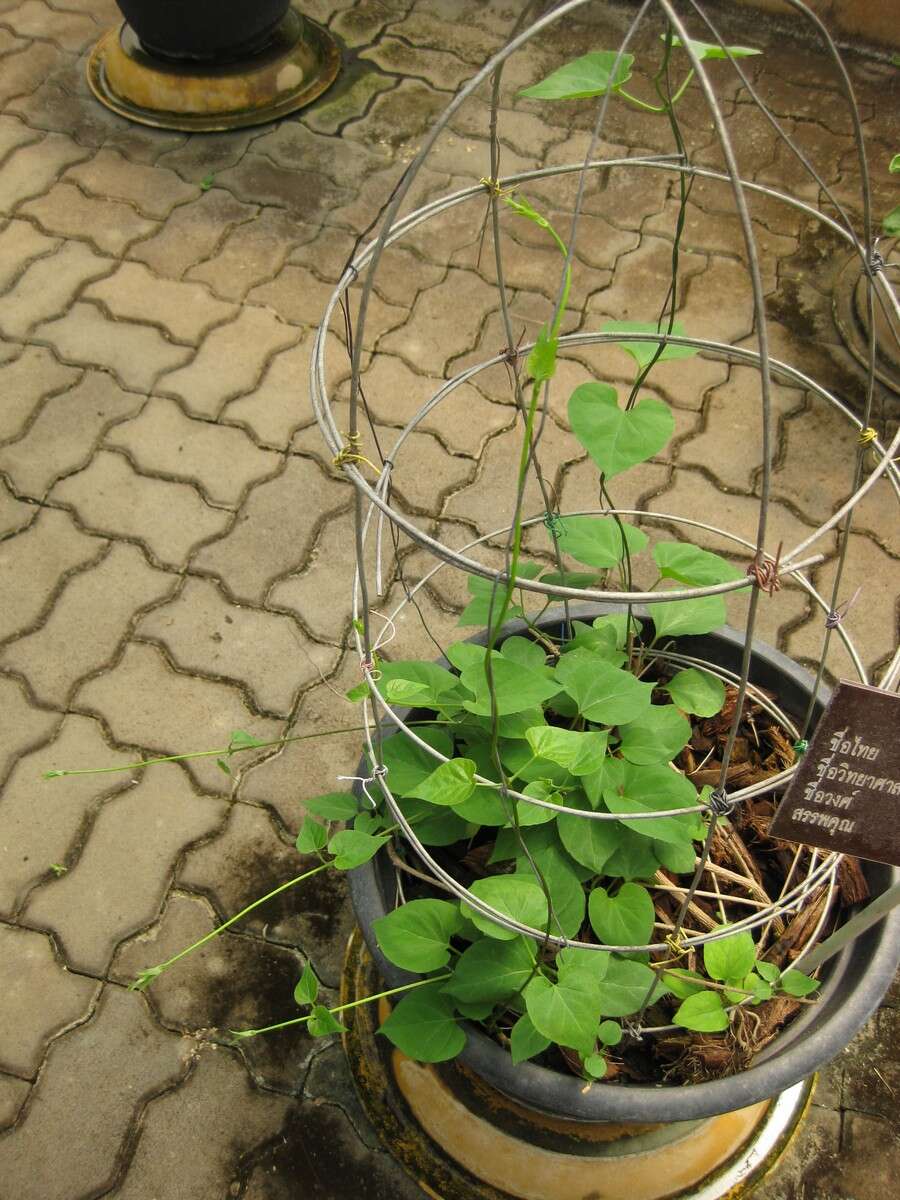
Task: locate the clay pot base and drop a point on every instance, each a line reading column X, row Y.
column 460, row 1139
column 296, row 66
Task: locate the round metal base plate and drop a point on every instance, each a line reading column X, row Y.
column 459, row 1139
column 293, row 69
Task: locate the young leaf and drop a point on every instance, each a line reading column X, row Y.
column 407, row 763
column 625, row 988
column 312, row 837
column 223, row 766
column 406, row 692
column 322, row 1022
column 491, row 970
column 590, row 75
column 599, row 541
column 416, row 936
column 595, row 1066
column 730, row 958
column 565, row 1013
column 359, row 692
column 891, row 223
column 609, row 1033
column 702, row 1012
column 516, row 896
column 643, row 352
column 579, row 753
column 434, row 683
column 541, row 364
column 525, row 1041
column 767, row 970
column 894, row 165
column 677, row 617
column 656, row 736
column 617, row 439
column 307, row 988
column 333, row 806
column 691, row 565
column 515, row 686
column 603, row 693
column 239, row 740
column 449, row 784
column 351, row 848
column 707, row 50
column 424, row 1026
column 625, row 919
column 696, row 691
column 795, row 983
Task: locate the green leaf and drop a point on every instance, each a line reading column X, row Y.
column 697, row 691
column 702, row 1012
column 359, row 692
column 525, row 652
column 206, row 182
column 730, row 958
column 891, row 223
column 894, row 165
column 625, row 988
column 595, row 1066
column 433, row 684
column 603, row 693
column 322, row 1022
column 706, row 50
column 590, row 75
column 579, row 753
column 634, row 859
column 307, row 988
column 655, row 737
column 565, row 1013
column 525, row 1041
column 516, row 896
column 678, row 617
column 475, row 1012
column 480, row 609
column 223, row 766
column 351, row 848
column 625, row 919
column 651, row 789
column 424, row 1026
column 535, row 814
column 434, row 825
column 333, row 806
column 767, row 970
column 239, row 740
column 609, row 1033
column 679, row 857
column 599, row 541
column 312, row 837
column 590, row 842
column 449, row 784
column 795, row 983
column 691, row 565
column 576, row 960
column 416, row 936
column 761, row 989
column 541, row 364
column 614, row 438
column 683, row 983
column 491, row 970
column 407, row 763
column 560, row 875
column 515, row 687
column 643, row 352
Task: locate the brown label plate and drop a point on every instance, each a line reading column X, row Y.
column 845, row 795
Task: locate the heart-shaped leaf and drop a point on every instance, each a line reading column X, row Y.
column 643, row 352
column 599, row 541
column 656, row 736
column 617, row 439
column 697, row 691
column 691, row 565
column 705, row 50
column 424, row 1026
column 677, row 617
column 449, row 784
column 625, row 919
column 603, row 693
column 525, row 1041
column 702, row 1012
column 416, row 936
column 566, row 1013
column 730, row 958
column 516, row 896
column 590, row 75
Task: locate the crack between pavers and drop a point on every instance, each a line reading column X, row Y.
column 84, row 238
column 51, row 600
column 41, row 403
column 168, row 335
column 220, row 241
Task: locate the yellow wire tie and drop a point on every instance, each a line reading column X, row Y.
column 350, row 453
column 493, row 186
column 673, row 941
column 867, row 436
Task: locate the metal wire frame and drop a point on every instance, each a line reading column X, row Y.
column 378, row 496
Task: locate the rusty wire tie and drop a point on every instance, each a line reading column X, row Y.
column 764, row 571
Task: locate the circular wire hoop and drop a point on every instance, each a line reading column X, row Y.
column 376, row 510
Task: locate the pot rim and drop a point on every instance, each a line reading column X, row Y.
column 855, row 982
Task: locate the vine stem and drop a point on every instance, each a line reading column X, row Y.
column 404, row 987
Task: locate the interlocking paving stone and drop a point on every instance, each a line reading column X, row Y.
column 28, row 967
column 264, row 652
column 14, row 133
column 437, row 67
column 263, row 544
column 110, row 497
column 256, row 179
column 144, row 703
column 72, row 642
column 298, row 296
column 117, row 885
column 291, row 144
column 184, row 310
column 69, row 30
column 42, row 554
column 48, row 286
column 136, row 354
column 446, row 321
column 13, row 1094
column 27, row 382
column 154, row 191
column 192, row 233
column 128, row 1058
column 175, row 1141
column 20, row 244
column 230, row 361
column 31, row 168
column 24, row 71
column 45, row 820
column 250, row 254
column 63, row 434
column 223, row 462
column 276, row 407
column 15, row 516
column 199, row 158
column 110, row 225
column 24, row 725
column 351, row 95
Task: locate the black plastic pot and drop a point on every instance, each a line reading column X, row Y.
column 855, row 983
column 220, row 30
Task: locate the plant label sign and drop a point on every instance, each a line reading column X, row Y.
column 845, row 795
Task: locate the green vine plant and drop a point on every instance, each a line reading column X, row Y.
column 581, row 714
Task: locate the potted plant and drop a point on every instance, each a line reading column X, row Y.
column 204, row 30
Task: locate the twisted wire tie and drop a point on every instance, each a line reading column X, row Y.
column 493, row 187
column 719, row 803
column 350, row 453
column 801, row 746
column 764, row 571
column 837, row 615
column 675, row 944
column 874, row 262
column 554, row 523
column 867, row 436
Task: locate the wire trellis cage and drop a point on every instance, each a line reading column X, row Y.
column 382, row 521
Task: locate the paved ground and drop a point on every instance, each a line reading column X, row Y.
column 176, row 554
